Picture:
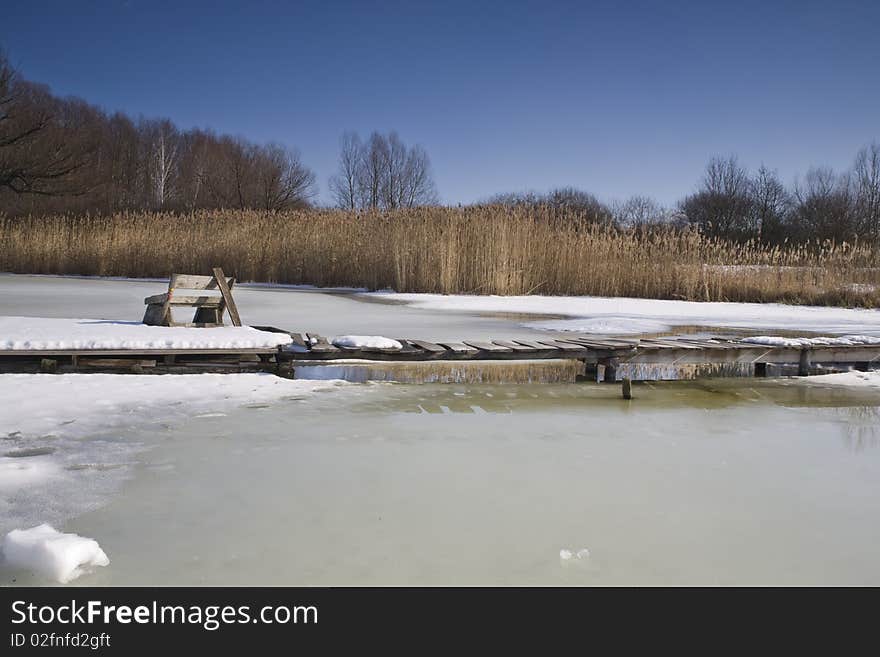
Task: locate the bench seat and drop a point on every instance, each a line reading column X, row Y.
column 209, row 301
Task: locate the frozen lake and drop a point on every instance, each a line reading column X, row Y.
column 713, row 482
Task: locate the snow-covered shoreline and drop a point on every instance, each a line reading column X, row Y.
column 851, row 379
column 629, row 316
column 67, row 439
column 75, row 405
column 44, row 334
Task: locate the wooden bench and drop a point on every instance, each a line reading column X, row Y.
column 209, row 308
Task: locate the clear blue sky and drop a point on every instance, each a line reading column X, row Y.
column 614, row 97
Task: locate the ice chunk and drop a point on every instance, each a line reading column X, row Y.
column 568, row 555
column 52, row 554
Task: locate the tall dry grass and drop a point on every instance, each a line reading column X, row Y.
column 480, row 250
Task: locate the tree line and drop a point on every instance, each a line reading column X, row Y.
column 732, row 203
column 823, row 205
column 65, row 155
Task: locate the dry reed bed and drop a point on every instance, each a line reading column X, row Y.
column 481, row 250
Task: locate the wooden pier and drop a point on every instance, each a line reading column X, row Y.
column 605, row 358
column 602, row 359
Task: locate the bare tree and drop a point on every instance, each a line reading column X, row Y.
column 344, row 185
column 769, row 206
column 639, row 211
column 722, row 204
column 382, row 173
column 162, row 143
column 866, row 184
column 40, row 146
column 393, row 178
column 373, row 171
column 417, row 184
column 562, row 203
column 283, row 181
column 823, row 207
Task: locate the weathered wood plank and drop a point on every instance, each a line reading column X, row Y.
column 459, row 347
column 513, row 346
column 184, row 300
column 536, row 345
column 226, row 291
column 669, row 343
column 488, row 347
column 319, row 343
column 702, row 344
column 408, row 347
column 115, row 362
column 192, row 282
column 603, row 345
column 569, row 347
column 432, row 347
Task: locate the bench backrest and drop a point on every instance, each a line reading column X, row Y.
column 194, row 282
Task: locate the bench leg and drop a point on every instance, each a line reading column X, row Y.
column 155, row 315
column 207, row 316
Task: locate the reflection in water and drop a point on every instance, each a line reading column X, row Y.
column 861, row 426
column 668, row 395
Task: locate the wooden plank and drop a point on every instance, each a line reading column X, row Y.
column 700, row 344
column 569, row 347
column 154, row 314
column 651, row 343
column 433, row 347
column 226, row 292
column 206, row 301
column 513, row 346
column 536, row 345
column 459, row 347
column 192, row 282
column 603, row 343
column 115, row 362
column 488, row 346
column 318, row 343
column 408, row 348
column 669, row 344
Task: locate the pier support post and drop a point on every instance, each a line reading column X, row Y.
column 591, row 372
column 627, row 388
column 804, row 364
column 610, row 374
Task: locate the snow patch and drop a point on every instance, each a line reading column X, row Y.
column 365, row 342
column 627, row 315
column 44, row 334
column 843, row 341
column 67, row 441
column 52, row 554
column 848, row 379
column 16, row 473
column 78, row 405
